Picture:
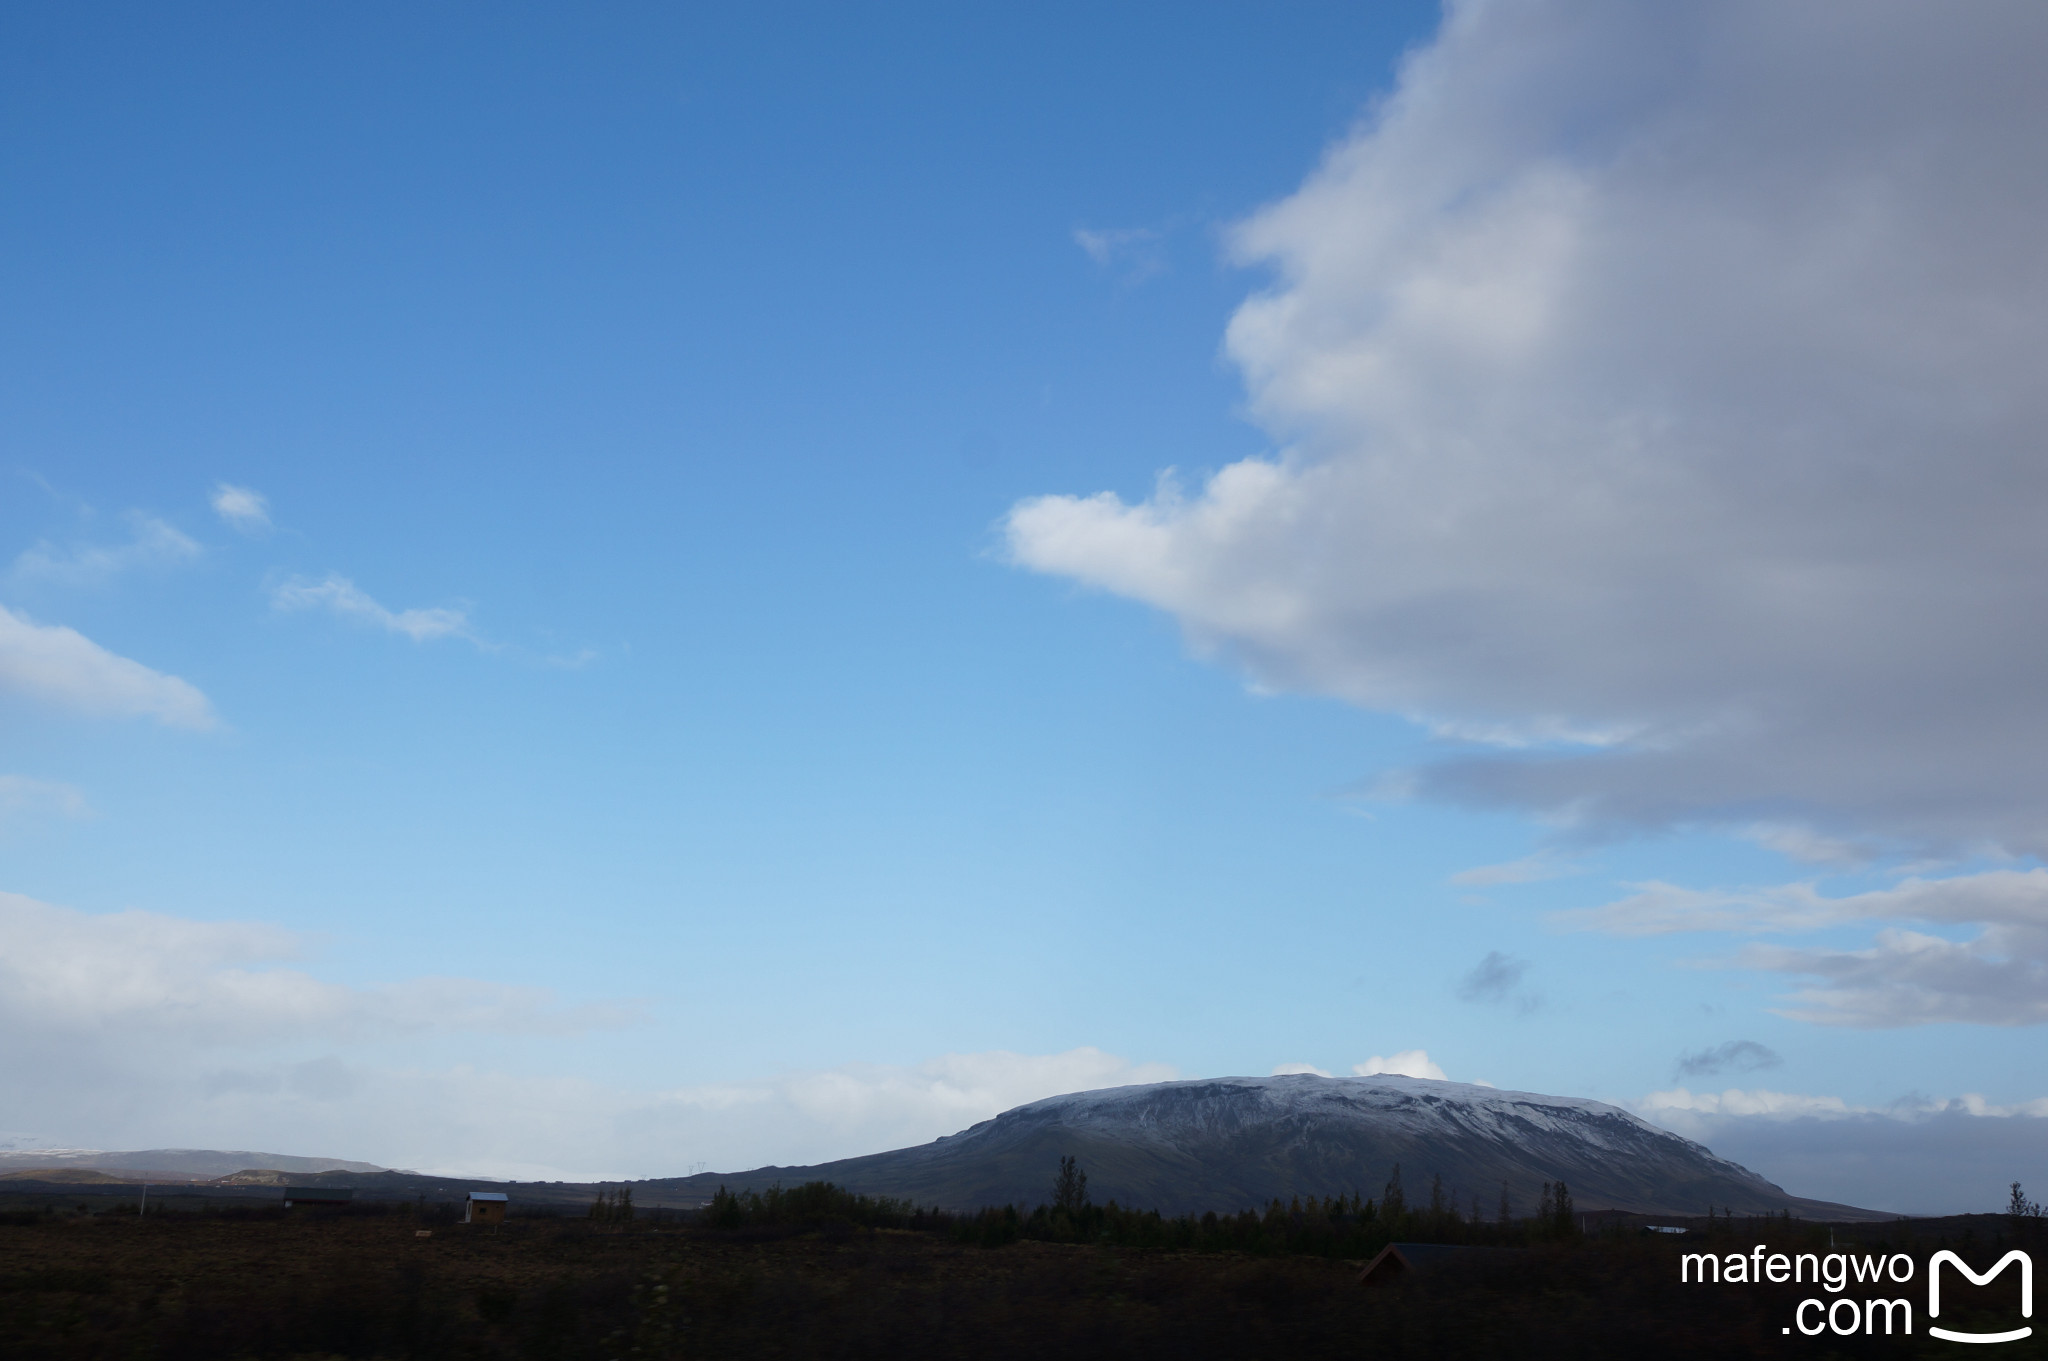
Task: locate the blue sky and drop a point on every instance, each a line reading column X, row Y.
column 655, row 518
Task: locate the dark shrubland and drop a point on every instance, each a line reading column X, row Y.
column 818, row 1271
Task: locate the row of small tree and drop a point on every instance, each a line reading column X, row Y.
column 815, row 1204
column 613, row 1207
column 1344, row 1225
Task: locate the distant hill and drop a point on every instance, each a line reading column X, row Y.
column 181, row 1164
column 1231, row 1143
column 71, row 1176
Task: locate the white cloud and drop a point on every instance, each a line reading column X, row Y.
column 1407, row 1063
column 21, row 796
column 241, row 507
column 61, row 666
column 142, row 1030
column 153, row 980
column 1913, row 1156
column 337, row 593
column 1735, row 1101
column 1653, row 385
column 152, row 544
column 137, row 1029
column 1287, row 1069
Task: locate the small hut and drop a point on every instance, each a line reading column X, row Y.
column 486, row 1207
column 317, row 1195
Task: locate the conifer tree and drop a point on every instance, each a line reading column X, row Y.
column 1070, row 1188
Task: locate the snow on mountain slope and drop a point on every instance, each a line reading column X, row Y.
column 1184, row 1114
column 1229, row 1143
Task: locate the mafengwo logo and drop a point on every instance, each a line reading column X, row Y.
column 1846, row 1315
column 2026, row 1266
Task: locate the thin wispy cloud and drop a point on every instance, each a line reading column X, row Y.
column 2016, row 897
column 21, row 796
column 1998, row 975
column 1104, row 247
column 336, row 594
column 1530, row 869
column 153, row 544
column 1810, row 847
column 241, row 508
column 1134, row 253
column 55, row 665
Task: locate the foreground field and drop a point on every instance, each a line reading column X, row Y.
column 365, row 1285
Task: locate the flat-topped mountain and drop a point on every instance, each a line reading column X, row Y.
column 1231, row 1143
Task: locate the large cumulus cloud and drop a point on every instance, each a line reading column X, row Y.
column 1656, row 400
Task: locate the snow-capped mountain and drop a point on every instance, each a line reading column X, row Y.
column 1231, row 1143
